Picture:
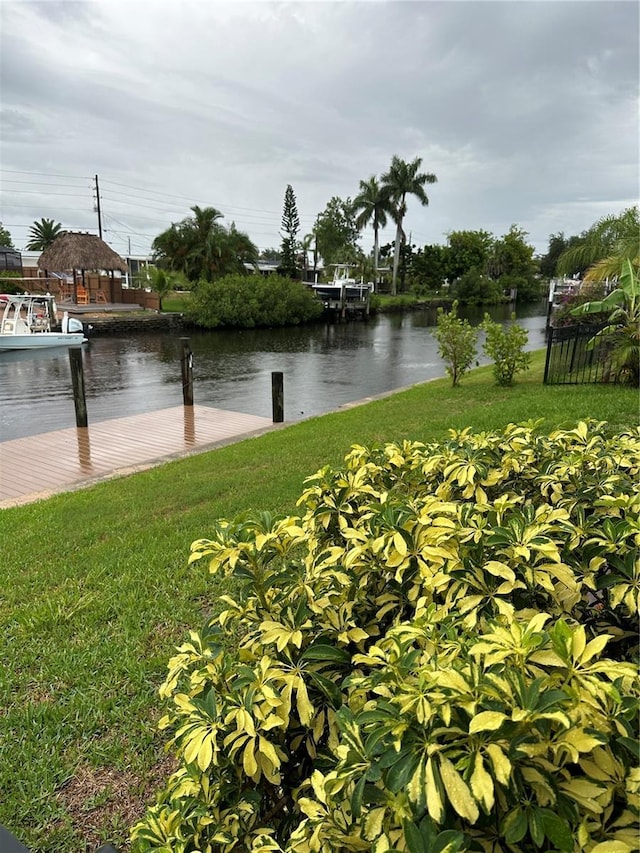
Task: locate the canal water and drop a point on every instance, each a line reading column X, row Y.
column 324, row 367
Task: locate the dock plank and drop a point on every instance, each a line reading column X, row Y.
column 39, row 466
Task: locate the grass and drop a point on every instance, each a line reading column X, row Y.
column 175, row 302
column 96, row 593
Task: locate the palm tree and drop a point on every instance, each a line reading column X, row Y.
column 622, row 332
column 401, row 180
column 603, row 248
column 372, row 204
column 42, row 234
column 203, row 230
column 161, row 281
column 201, row 247
column 305, row 247
column 171, row 250
column 234, row 249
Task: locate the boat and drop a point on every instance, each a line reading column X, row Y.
column 30, row 321
column 343, row 288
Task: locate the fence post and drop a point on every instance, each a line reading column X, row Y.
column 547, row 360
column 277, row 396
column 77, row 380
column 186, row 363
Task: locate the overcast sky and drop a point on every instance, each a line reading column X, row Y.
column 527, row 112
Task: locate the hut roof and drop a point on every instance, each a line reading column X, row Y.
column 73, row 251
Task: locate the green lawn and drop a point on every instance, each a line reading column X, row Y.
column 175, row 303
column 96, row 593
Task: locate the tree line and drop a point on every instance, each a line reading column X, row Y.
column 472, row 265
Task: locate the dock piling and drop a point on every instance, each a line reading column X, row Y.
column 186, row 363
column 277, row 396
column 77, row 380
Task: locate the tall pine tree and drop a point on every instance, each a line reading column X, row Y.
column 290, row 226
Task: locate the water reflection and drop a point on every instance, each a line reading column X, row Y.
column 324, row 367
column 189, row 425
column 84, row 449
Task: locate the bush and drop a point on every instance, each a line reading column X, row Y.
column 528, row 287
column 505, row 346
column 588, row 292
column 456, row 342
column 246, row 301
column 475, row 288
column 417, row 661
column 11, row 283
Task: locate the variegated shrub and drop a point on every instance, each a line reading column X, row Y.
column 437, row 654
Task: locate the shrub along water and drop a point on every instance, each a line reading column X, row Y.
column 247, row 301
column 433, row 655
column 456, row 342
column 505, row 346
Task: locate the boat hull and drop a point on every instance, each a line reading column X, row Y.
column 352, row 291
column 39, row 340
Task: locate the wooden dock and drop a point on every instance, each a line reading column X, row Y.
column 40, row 466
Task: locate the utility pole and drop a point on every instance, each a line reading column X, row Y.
column 98, row 209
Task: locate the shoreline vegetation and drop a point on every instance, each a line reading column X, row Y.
column 380, row 303
column 175, row 315
column 97, row 592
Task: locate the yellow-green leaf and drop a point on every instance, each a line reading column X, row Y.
column 205, row 753
column 612, row 847
column 303, row 705
column 458, row 791
column 594, row 647
column 499, row 570
column 267, row 749
column 400, row 544
column 500, row 762
column 486, row 721
column 482, row 784
column 578, row 642
column 373, row 823
column 416, row 787
column 582, row 789
column 432, row 794
column 249, row 763
column 579, row 739
column 193, row 748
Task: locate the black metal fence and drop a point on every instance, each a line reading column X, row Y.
column 574, row 357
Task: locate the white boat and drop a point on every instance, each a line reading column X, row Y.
column 343, row 288
column 29, row 321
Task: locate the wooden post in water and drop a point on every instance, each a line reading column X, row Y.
column 186, row 362
column 77, row 379
column 277, row 396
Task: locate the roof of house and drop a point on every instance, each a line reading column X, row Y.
column 75, row 251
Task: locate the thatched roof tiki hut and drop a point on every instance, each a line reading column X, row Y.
column 73, row 252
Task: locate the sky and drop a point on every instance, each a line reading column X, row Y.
column 526, row 112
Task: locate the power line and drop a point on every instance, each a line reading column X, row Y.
column 130, row 230
column 30, row 206
column 171, row 208
column 49, row 189
column 41, row 192
column 249, row 223
column 187, row 198
column 66, row 227
column 37, row 184
column 46, row 174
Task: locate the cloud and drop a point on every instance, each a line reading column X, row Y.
column 526, row 111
